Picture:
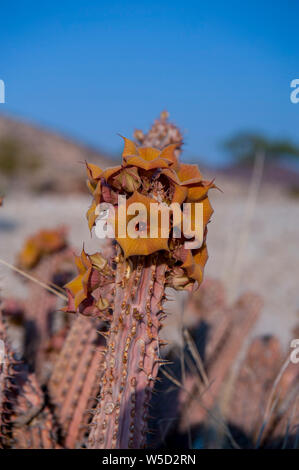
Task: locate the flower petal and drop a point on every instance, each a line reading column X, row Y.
column 199, row 190
column 91, row 215
column 169, row 153
column 200, row 258
column 187, row 172
column 140, row 246
column 94, row 172
column 75, row 285
column 148, row 153
column 147, row 164
column 130, row 148
column 110, row 172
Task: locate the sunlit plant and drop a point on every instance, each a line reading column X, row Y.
column 128, row 290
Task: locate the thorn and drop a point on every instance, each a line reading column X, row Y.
column 164, row 362
column 104, row 334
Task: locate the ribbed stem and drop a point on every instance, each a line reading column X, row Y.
column 132, row 356
column 75, row 378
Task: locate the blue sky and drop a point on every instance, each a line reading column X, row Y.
column 91, row 69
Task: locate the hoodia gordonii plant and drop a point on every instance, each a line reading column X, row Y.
column 128, row 290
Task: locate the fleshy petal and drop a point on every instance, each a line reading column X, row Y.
column 130, row 148
column 110, row 172
column 180, row 194
column 91, row 215
column 148, row 153
column 98, row 192
column 200, row 258
column 147, row 164
column 75, row 285
column 187, row 172
column 93, row 171
column 199, row 190
column 169, row 153
column 140, row 246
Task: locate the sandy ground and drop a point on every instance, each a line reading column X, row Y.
column 262, row 256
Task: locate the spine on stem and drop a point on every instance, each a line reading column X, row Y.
column 132, row 357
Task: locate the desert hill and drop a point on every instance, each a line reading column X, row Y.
column 38, row 160
column 32, row 158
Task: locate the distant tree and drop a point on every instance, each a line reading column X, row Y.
column 244, row 146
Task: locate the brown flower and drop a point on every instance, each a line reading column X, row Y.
column 148, row 158
column 150, row 175
column 143, row 244
column 90, row 292
column 42, row 243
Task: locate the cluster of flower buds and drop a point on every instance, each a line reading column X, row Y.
column 162, row 133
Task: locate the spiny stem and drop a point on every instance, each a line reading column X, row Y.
column 75, row 379
column 131, row 361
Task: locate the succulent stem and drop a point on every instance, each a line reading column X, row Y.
column 132, row 357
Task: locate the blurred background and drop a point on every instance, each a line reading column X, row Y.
column 77, row 73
